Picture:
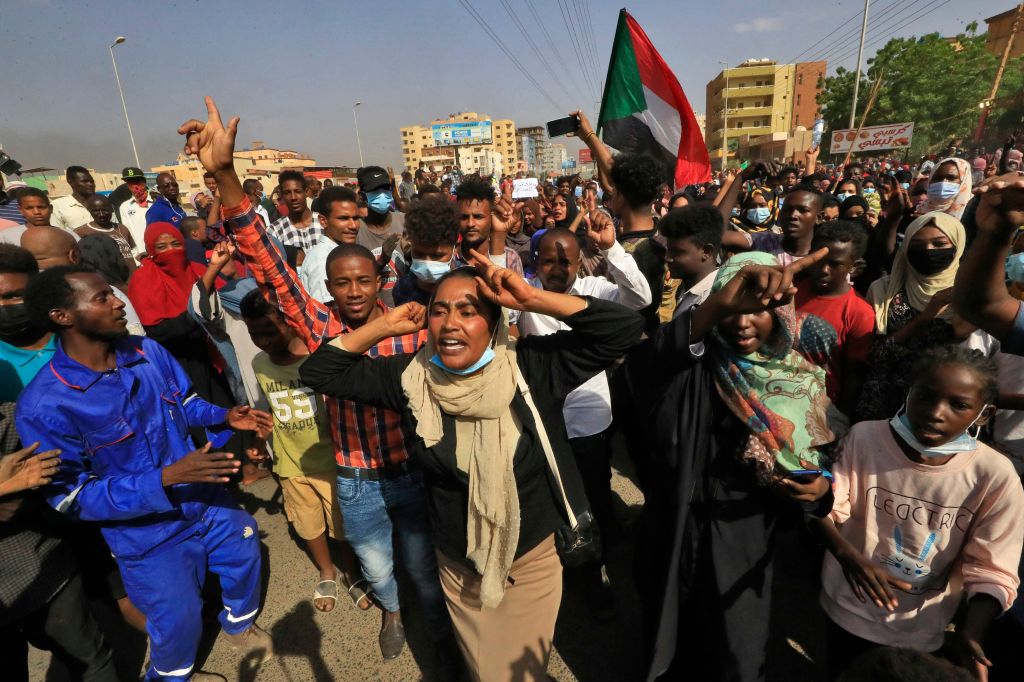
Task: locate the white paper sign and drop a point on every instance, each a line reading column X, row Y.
column 524, row 188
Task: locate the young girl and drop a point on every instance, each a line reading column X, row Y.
column 925, row 517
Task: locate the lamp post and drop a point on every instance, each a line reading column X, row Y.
column 358, row 143
column 725, row 116
column 118, row 41
column 860, row 58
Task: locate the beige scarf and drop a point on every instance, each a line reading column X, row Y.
column 486, row 436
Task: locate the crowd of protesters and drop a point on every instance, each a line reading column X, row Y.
column 434, row 373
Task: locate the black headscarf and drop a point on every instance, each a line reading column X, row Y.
column 101, row 253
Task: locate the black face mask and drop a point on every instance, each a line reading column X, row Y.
column 15, row 326
column 931, row 261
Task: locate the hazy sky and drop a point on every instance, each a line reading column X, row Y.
column 292, row 69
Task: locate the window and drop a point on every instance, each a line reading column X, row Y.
column 739, row 124
column 798, row 99
column 800, row 79
column 739, row 105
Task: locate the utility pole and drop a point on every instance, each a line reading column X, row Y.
column 986, row 104
column 860, row 60
column 725, row 116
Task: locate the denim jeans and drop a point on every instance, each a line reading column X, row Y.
column 381, row 516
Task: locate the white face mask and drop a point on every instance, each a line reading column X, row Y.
column 965, row 442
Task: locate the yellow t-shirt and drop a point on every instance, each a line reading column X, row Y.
column 302, row 437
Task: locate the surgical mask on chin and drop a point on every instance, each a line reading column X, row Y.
column 758, row 215
column 965, row 442
column 429, row 270
column 379, row 201
column 943, row 190
column 843, row 196
column 1015, row 268
column 483, row 361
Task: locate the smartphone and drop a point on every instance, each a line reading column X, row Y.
column 563, row 126
column 804, row 473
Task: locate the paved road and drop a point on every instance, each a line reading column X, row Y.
column 342, row 645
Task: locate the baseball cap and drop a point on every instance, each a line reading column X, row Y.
column 132, row 173
column 372, row 177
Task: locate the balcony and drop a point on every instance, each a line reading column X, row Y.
column 750, row 111
column 733, row 92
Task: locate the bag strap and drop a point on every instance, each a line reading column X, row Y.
column 524, row 388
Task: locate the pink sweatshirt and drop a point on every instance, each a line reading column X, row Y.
column 947, row 530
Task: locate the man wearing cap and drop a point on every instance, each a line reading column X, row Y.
column 133, row 209
column 70, row 212
column 9, row 213
column 380, row 221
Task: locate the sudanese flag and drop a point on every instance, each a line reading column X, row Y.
column 644, row 110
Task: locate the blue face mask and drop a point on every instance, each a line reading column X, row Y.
column 429, row 270
column 869, row 190
column 965, row 442
column 1015, row 268
column 578, row 191
column 905, row 185
column 379, row 201
column 484, row 360
column 843, row 196
column 758, row 215
column 943, row 190
column 735, row 212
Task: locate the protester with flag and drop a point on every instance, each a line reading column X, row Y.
column 644, row 109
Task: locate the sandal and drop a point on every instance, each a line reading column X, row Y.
column 326, row 589
column 358, row 591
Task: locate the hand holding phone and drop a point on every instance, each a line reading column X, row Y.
column 563, row 126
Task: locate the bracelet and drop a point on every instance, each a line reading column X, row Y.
column 587, row 136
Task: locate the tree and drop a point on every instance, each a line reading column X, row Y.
column 933, row 81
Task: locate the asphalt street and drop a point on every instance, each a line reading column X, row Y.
column 342, row 644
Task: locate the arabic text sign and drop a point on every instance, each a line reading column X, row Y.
column 872, row 138
column 524, row 188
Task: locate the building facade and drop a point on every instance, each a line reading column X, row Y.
column 999, row 28
column 756, row 98
column 530, row 142
column 418, row 145
column 260, row 162
column 550, row 160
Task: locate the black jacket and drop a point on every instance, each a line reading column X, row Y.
column 552, row 365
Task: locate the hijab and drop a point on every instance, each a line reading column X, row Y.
column 777, row 393
column 954, row 206
column 919, row 288
column 486, row 436
column 101, row 253
column 741, row 222
column 570, row 212
column 161, row 287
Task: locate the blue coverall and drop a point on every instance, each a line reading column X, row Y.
column 116, row 431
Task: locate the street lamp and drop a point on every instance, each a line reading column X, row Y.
column 118, row 41
column 358, row 143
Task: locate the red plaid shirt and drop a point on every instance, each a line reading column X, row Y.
column 364, row 437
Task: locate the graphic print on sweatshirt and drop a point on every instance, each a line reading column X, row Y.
column 918, row 540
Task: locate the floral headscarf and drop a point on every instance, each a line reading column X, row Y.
column 776, row 392
column 956, row 205
column 740, row 222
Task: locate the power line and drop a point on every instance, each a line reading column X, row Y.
column 588, row 39
column 593, row 41
column 935, row 5
column 508, row 53
column 575, row 46
column 844, row 47
column 554, row 48
column 838, row 28
column 529, row 39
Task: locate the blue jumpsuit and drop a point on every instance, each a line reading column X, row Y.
column 116, row 431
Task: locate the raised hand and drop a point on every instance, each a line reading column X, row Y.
column 245, row 418
column 212, row 142
column 501, row 285
column 404, row 319
column 503, row 214
column 601, row 230
column 221, row 254
column 586, row 131
column 1001, row 209
column 756, row 288
column 201, row 466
